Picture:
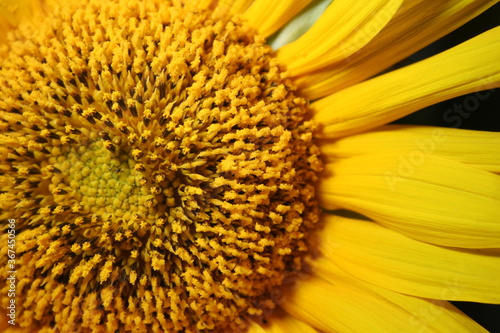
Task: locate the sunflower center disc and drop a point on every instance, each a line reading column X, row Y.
column 159, row 166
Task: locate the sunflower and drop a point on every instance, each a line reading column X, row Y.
column 162, row 169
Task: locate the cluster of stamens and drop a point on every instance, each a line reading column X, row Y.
column 159, row 165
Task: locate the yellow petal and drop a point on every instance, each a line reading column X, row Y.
column 415, row 25
column 477, row 148
column 428, row 198
column 268, row 16
column 344, row 28
column 393, row 261
column 235, row 6
column 425, row 314
column 344, row 305
column 299, row 24
column 468, row 67
column 281, row 322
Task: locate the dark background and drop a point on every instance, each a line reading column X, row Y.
column 486, row 117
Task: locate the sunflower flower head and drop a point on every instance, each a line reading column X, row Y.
column 162, row 169
column 159, row 164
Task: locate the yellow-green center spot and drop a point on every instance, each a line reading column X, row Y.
column 104, row 182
